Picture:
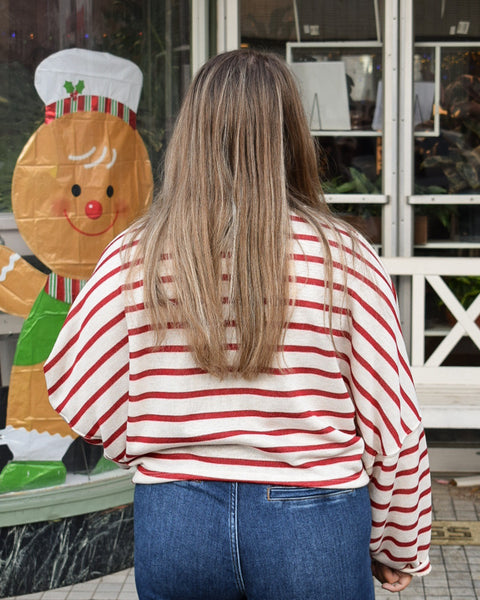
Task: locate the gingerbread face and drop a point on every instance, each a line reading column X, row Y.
column 80, row 181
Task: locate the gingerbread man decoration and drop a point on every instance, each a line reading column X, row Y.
column 80, row 180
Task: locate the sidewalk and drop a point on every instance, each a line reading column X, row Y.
column 455, row 568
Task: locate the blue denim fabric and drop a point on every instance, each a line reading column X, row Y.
column 202, row 540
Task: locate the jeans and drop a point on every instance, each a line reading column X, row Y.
column 215, row 540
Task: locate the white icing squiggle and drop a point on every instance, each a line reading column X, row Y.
column 82, row 156
column 114, row 158
column 98, row 161
column 7, row 268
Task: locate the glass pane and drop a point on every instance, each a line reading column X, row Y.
column 447, row 141
column 154, row 35
column 447, row 119
column 446, row 20
column 269, row 23
column 352, row 163
column 339, row 21
column 345, row 115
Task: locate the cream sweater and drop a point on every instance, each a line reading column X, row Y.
column 340, row 415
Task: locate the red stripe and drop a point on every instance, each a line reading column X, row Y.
column 132, row 119
column 402, row 526
column 230, row 414
column 398, row 543
column 164, row 348
column 398, row 559
column 291, row 449
column 178, row 372
column 415, row 488
column 220, row 435
column 402, row 509
column 60, row 289
column 327, row 483
column 252, row 462
column 306, row 237
column 297, row 219
column 321, row 307
column 209, row 393
column 75, row 288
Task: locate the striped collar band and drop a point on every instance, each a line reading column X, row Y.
column 63, row 288
column 76, row 103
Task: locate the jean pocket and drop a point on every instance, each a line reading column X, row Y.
column 286, row 493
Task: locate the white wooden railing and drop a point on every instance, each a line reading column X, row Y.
column 449, row 395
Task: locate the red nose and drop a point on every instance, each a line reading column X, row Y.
column 93, row 209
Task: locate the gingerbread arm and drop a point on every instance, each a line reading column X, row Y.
column 20, row 283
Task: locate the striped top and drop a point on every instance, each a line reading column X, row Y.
column 339, row 414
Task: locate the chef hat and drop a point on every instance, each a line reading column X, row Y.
column 84, row 80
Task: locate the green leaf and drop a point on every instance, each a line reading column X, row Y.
column 80, row 86
column 68, row 85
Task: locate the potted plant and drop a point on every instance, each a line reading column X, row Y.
column 364, row 217
column 433, row 219
column 465, row 289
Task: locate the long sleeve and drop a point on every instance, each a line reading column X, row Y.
column 87, row 371
column 389, row 421
column 401, row 507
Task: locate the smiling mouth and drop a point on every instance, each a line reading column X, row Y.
column 73, row 226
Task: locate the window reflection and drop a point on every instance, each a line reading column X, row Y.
column 154, row 35
column 447, row 144
column 341, row 114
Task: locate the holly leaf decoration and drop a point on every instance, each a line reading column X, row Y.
column 68, row 85
column 80, row 86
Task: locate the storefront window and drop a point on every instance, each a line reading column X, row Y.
column 446, row 165
column 335, row 52
column 87, row 153
column 154, row 35
column 447, row 123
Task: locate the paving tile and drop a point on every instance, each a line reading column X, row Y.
column 109, row 586
column 467, row 592
column 86, row 585
column 79, row 595
column 435, row 591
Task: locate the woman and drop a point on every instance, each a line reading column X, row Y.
column 242, row 349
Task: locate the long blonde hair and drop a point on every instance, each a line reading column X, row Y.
column 240, row 160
